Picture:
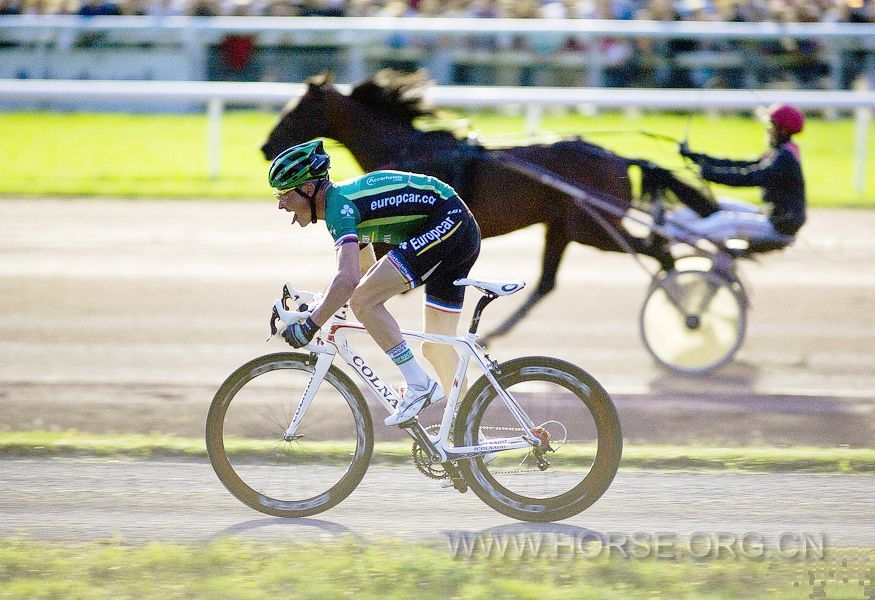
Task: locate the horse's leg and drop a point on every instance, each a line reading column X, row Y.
column 556, row 241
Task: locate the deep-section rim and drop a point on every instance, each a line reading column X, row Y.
column 599, row 476
column 238, row 487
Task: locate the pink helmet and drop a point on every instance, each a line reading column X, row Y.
column 788, row 118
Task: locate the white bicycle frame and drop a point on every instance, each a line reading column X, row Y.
column 335, row 342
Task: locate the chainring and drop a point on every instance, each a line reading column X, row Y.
column 422, row 459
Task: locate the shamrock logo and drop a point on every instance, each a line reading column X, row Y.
column 346, row 210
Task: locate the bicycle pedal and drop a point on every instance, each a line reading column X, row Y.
column 409, row 423
column 455, row 478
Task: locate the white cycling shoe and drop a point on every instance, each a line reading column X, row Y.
column 414, row 400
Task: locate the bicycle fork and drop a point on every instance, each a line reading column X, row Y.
column 323, row 363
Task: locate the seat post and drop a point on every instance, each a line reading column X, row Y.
column 481, row 304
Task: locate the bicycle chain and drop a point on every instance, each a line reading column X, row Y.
column 433, row 471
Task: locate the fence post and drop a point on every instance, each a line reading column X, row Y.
column 863, row 117
column 533, row 118
column 215, row 107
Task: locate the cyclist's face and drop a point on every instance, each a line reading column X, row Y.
column 292, row 201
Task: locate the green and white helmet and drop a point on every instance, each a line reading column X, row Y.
column 298, row 165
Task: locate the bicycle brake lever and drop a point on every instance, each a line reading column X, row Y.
column 287, row 295
column 274, row 317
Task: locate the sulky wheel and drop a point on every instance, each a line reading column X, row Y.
column 693, row 321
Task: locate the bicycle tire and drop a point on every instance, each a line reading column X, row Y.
column 287, row 488
column 569, row 387
column 713, row 336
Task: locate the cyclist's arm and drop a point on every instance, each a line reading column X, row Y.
column 342, row 286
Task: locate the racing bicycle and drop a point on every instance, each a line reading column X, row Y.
column 290, row 434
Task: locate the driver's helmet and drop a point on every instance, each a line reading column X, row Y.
column 788, row 118
column 299, row 164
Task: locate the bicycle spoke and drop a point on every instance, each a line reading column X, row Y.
column 263, row 469
column 698, row 332
column 578, row 428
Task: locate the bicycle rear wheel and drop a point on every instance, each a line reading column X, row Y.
column 566, row 402
column 245, row 432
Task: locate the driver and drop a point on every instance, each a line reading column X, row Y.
column 436, row 241
column 778, row 172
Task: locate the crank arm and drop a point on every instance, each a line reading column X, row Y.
column 421, row 437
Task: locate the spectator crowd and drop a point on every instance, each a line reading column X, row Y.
column 623, row 61
column 854, row 11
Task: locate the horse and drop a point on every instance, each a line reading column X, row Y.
column 375, row 122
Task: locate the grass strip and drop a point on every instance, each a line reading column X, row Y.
column 35, row 444
column 165, row 155
column 241, row 569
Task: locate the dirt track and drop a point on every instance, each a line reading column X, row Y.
column 126, row 315
column 139, row 502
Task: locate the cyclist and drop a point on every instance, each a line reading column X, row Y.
column 778, row 172
column 436, row 241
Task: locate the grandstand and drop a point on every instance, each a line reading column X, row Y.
column 622, row 59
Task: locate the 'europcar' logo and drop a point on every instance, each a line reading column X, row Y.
column 346, row 210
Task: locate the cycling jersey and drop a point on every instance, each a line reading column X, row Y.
column 435, row 235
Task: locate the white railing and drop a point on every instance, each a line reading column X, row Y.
column 359, row 35
column 215, row 94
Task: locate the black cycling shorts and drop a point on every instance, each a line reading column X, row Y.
column 442, row 251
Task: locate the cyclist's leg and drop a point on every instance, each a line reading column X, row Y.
column 441, row 356
column 443, row 307
column 447, row 257
column 367, row 258
column 382, row 282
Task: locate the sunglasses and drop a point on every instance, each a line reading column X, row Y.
column 277, row 193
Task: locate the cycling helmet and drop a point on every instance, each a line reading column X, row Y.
column 298, row 165
column 789, row 119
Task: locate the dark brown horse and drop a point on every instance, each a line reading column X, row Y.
column 375, row 122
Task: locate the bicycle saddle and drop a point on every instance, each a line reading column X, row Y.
column 499, row 288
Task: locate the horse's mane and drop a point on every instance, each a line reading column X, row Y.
column 394, row 93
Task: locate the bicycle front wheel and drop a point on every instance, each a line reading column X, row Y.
column 567, row 406
column 248, row 447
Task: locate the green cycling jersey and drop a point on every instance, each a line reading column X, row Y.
column 384, row 206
